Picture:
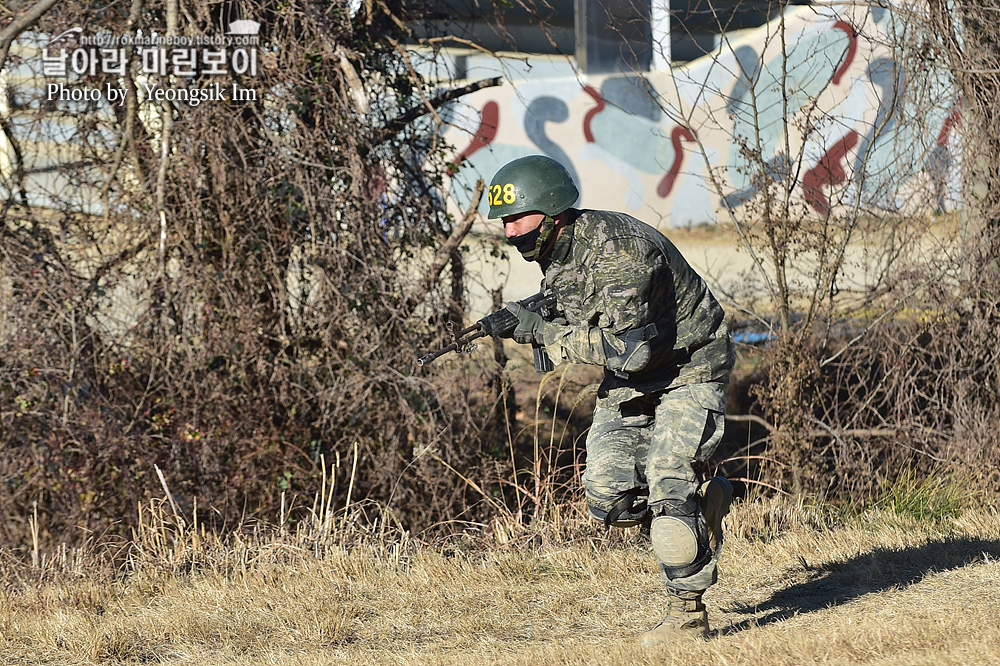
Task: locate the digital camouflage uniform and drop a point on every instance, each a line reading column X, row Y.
column 611, row 274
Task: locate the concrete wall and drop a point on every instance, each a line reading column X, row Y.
column 820, row 97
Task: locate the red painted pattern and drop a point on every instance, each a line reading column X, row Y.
column 489, row 121
column 587, row 133
column 667, row 184
column 954, row 118
column 828, row 171
column 852, row 49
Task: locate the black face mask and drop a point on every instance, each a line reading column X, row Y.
column 525, row 243
column 531, row 243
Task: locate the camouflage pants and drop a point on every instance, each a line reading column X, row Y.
column 652, row 444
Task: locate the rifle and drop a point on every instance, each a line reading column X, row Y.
column 501, row 324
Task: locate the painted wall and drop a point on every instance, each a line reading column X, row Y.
column 683, row 147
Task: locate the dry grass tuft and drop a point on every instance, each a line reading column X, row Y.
column 797, row 585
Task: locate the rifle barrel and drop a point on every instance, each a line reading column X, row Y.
column 469, row 329
column 461, row 342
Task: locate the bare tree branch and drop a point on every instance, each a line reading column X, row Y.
column 445, row 251
column 131, row 104
column 28, row 19
column 166, row 130
column 19, row 173
column 750, row 418
column 396, row 125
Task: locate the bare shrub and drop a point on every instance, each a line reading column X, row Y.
column 893, row 376
column 246, row 301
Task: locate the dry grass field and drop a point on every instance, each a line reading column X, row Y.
column 798, row 585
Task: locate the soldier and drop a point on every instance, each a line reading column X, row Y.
column 628, row 301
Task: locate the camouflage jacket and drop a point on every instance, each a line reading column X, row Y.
column 612, row 273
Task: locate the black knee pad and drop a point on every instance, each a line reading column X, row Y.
column 628, row 509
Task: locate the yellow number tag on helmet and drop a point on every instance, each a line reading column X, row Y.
column 508, row 193
column 502, row 194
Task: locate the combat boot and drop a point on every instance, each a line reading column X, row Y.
column 714, row 497
column 686, row 618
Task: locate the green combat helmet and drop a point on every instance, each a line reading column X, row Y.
column 533, row 183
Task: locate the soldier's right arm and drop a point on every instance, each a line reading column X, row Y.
column 614, row 303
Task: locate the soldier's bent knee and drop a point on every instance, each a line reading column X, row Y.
column 680, row 539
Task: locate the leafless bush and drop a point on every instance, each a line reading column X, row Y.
column 247, row 302
column 861, row 383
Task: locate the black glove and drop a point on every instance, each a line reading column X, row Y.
column 530, row 325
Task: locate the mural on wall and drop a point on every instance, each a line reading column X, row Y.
column 836, row 116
